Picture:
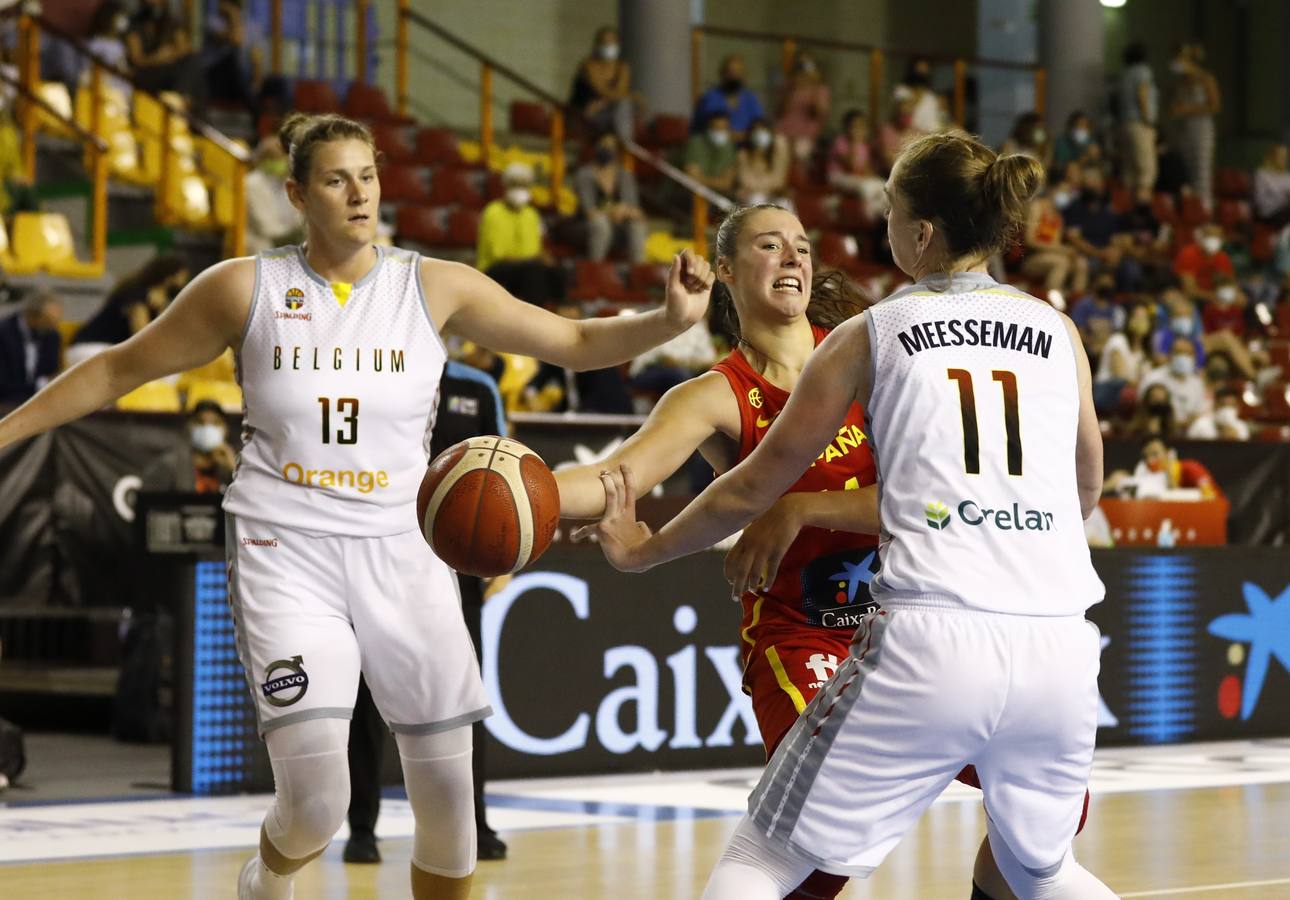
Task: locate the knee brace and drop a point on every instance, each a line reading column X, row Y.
column 311, row 785
column 437, row 774
column 752, row 868
column 1067, row 880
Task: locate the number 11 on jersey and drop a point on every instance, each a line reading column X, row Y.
column 1011, row 420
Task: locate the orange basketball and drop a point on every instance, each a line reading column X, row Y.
column 488, row 506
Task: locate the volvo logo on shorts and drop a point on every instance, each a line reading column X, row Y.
column 295, row 298
column 285, row 681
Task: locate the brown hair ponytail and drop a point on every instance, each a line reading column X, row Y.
column 301, row 133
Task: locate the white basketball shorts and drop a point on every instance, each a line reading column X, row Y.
column 311, row 610
column 924, row 692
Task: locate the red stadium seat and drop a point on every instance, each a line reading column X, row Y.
column 1279, row 355
column 1163, row 208
column 1263, row 243
column 315, row 96
column 463, row 227
column 1232, row 213
column 1121, row 199
column 1276, row 403
column 838, row 251
column 422, row 224
column 530, row 118
column 1193, row 212
column 646, row 277
column 1283, row 321
column 1234, row 183
column 1272, row 433
column 437, row 146
column 402, row 183
column 852, row 216
column 669, row 131
column 460, row 186
column 367, row 101
column 597, row 281
column 395, row 142
column 812, row 210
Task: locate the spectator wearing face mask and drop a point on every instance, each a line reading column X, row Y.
column 602, row 87
column 206, row 467
column 804, row 107
column 1272, row 187
column 509, row 245
column 1178, row 319
column 1154, row 414
column 1170, row 472
column 710, row 158
column 1139, row 110
column 271, row 220
column 1224, row 423
column 1076, row 144
column 135, row 301
column 761, row 167
column 1186, row 387
column 925, row 113
column 1197, row 264
column 730, row 98
column 1194, row 103
column 851, row 164
column 609, row 211
column 29, row 347
column 1029, row 138
column 1124, row 360
column 1048, row 257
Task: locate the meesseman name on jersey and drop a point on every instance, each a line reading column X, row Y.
column 975, row 333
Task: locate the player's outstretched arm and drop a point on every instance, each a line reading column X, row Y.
column 469, row 304
column 834, row 377
column 1088, row 436
column 683, row 419
column 207, row 317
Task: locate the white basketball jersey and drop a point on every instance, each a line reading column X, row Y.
column 340, row 384
column 973, row 421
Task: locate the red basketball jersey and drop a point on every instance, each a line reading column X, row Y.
column 823, row 581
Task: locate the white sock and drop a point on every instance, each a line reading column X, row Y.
column 267, row 884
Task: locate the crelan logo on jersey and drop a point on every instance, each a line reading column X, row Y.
column 1006, row 518
column 938, row 515
column 295, row 298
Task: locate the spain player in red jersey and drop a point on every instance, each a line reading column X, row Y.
column 802, row 571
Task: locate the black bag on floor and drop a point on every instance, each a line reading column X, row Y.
column 13, row 755
column 138, row 714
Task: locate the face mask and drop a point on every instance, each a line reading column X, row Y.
column 608, row 51
column 122, row 24
column 1227, row 415
column 1080, row 135
column 1182, row 366
column 1181, row 324
column 1226, row 294
column 732, row 85
column 1211, row 244
column 719, row 138
column 761, row 139
column 518, row 196
column 807, row 66
column 1039, row 136
column 274, row 168
column 1062, row 199
column 1155, row 465
column 206, row 437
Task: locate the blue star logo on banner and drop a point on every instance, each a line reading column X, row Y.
column 1266, row 628
column 854, row 575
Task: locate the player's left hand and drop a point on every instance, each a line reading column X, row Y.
column 621, row 537
column 753, row 562
column 689, row 286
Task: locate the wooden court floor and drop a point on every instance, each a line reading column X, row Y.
column 1231, row 842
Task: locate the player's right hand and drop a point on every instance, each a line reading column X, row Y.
column 753, row 562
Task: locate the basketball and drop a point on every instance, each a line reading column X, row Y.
column 488, row 506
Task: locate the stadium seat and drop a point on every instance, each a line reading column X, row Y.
column 437, row 146
column 315, row 96
column 402, row 183
column 669, row 131
column 56, row 95
column 1193, row 212
column 838, row 251
column 155, row 396
column 367, row 101
column 1276, row 403
column 597, row 281
column 1263, row 244
column 852, row 216
column 1232, row 213
column 1283, row 317
column 1121, row 199
column 1272, row 433
column 463, row 227
column 812, row 210
column 226, row 393
column 1279, row 355
column 528, row 117
column 1234, row 183
column 646, row 277
column 395, row 141
column 11, row 263
column 422, row 224
column 448, row 186
column 45, row 241
column 1164, row 208
column 221, row 368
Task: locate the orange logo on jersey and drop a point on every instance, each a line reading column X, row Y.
column 754, row 398
column 295, row 298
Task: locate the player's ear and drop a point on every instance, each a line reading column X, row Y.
column 296, row 194
column 725, row 272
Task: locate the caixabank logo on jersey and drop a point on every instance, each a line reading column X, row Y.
column 285, row 681
column 835, row 589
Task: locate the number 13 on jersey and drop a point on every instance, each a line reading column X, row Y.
column 1011, row 420
column 347, row 411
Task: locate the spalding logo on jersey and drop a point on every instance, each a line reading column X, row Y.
column 835, row 589
column 287, row 688
column 295, row 298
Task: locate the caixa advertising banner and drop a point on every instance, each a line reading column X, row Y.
column 590, row 670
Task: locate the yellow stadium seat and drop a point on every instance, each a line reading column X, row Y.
column 45, row 241
column 221, row 172
column 222, row 368
column 55, row 94
column 519, row 371
column 471, row 151
column 155, row 396
column 226, row 393
column 190, row 200
column 11, row 263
